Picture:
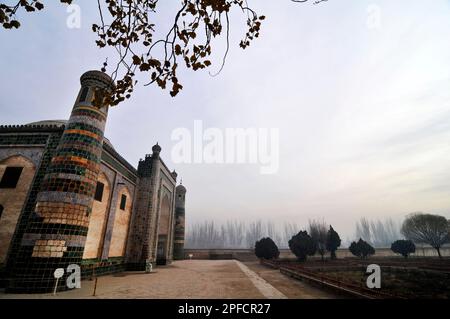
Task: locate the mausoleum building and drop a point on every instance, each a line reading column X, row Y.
column 68, row 197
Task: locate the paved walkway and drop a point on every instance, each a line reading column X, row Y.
column 266, row 289
column 190, row 279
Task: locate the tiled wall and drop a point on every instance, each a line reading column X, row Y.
column 18, row 258
column 55, row 235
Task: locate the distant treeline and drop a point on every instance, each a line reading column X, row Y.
column 239, row 234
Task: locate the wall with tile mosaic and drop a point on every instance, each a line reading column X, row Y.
column 18, row 259
column 79, row 201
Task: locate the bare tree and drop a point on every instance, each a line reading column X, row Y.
column 427, row 228
column 363, row 230
column 230, row 234
column 392, row 230
column 254, row 233
column 318, row 231
column 273, row 233
column 204, row 235
column 128, row 27
column 289, row 229
column 235, row 234
column 379, row 233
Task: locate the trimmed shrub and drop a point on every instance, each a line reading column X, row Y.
column 266, row 248
column 361, row 249
column 403, row 247
column 302, row 245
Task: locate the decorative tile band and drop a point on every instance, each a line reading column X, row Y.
column 88, row 120
column 66, row 175
column 49, row 248
column 86, row 127
column 89, row 111
column 64, row 198
column 85, row 133
column 22, row 139
column 71, row 138
column 63, row 213
column 70, row 240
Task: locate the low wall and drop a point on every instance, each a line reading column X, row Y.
column 247, row 254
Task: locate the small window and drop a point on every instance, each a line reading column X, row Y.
column 99, row 191
column 99, row 95
column 1, row 211
column 11, row 177
column 84, row 93
column 123, row 202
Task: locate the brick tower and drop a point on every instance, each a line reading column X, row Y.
column 56, row 233
column 142, row 245
column 178, row 246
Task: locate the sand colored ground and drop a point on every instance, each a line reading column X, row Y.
column 193, row 279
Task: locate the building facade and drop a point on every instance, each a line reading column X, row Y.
column 68, row 197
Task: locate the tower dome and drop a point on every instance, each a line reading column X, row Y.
column 181, row 189
column 156, row 149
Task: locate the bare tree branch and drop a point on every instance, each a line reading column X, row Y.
column 126, row 26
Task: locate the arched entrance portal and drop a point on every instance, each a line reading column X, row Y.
column 163, row 232
column 16, row 177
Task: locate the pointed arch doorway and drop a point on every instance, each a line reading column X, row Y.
column 163, row 232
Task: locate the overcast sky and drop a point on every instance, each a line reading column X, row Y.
column 359, row 91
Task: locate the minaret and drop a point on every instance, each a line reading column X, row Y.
column 141, row 248
column 178, row 246
column 56, row 235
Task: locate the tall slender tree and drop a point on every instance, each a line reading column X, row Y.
column 318, row 232
column 333, row 242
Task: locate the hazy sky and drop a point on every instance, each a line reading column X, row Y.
column 359, row 91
